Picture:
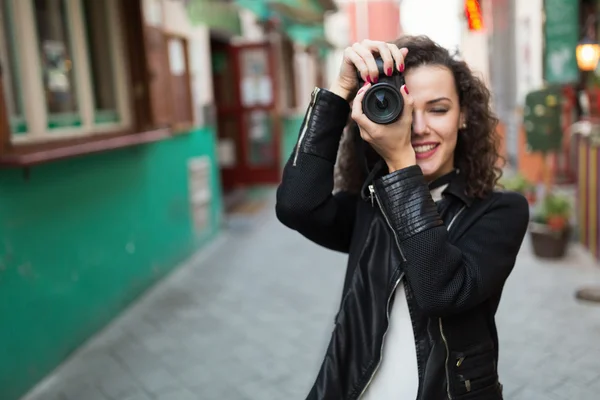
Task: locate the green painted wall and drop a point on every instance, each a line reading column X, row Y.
column 81, row 238
column 291, row 129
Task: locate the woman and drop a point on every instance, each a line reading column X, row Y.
column 430, row 242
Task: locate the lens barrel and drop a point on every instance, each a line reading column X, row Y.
column 383, row 103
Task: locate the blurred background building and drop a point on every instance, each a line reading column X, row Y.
column 130, row 130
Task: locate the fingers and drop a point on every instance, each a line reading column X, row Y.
column 367, row 56
column 409, row 102
column 358, row 115
column 385, row 53
column 358, row 62
column 357, row 109
column 399, row 55
column 361, row 55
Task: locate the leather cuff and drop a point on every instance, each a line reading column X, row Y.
column 323, row 125
column 405, row 198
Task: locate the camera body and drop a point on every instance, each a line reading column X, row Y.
column 383, row 103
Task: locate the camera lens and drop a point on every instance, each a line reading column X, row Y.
column 383, row 103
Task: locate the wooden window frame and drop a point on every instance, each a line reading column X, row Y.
column 185, row 123
column 289, row 73
column 142, row 126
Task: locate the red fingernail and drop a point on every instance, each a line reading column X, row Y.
column 369, row 78
column 389, row 72
column 375, row 80
column 406, row 89
column 401, row 68
column 366, row 83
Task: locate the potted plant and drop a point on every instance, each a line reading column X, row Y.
column 518, row 183
column 550, row 227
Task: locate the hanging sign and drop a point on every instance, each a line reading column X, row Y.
column 473, row 14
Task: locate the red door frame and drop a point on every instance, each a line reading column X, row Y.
column 244, row 174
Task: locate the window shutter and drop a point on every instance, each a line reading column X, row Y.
column 181, row 85
column 149, row 68
column 159, row 76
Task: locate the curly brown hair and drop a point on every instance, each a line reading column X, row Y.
column 476, row 153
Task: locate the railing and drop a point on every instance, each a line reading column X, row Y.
column 586, row 140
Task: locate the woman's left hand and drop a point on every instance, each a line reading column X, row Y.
column 392, row 141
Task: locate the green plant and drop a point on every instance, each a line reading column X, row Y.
column 554, row 211
column 518, row 183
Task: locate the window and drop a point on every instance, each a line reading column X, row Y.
column 11, row 77
column 97, row 22
column 72, row 81
column 57, row 65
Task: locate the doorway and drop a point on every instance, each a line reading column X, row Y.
column 248, row 125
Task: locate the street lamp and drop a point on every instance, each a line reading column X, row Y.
column 588, row 54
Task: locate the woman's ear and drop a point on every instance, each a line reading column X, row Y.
column 462, row 120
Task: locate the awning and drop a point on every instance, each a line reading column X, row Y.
column 299, row 11
column 300, row 20
column 221, row 16
column 307, row 35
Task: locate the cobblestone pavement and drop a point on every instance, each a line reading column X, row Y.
column 249, row 318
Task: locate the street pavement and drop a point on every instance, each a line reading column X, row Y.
column 248, row 318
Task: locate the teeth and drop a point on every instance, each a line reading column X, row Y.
column 425, row 148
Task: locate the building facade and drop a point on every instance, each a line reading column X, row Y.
column 114, row 120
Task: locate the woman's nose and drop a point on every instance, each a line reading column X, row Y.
column 418, row 124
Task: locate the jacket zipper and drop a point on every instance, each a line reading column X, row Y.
column 442, row 325
column 447, row 359
column 387, row 311
column 306, row 122
column 374, row 195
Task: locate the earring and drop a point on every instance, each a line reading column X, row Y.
column 463, row 126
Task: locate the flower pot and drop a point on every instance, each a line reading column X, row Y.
column 549, row 243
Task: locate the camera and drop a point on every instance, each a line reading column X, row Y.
column 383, row 103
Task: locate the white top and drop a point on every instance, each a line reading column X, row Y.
column 397, row 377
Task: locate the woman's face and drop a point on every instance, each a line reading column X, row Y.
column 436, row 118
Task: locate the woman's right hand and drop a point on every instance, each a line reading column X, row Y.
column 360, row 57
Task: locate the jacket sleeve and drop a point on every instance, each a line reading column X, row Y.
column 447, row 278
column 305, row 201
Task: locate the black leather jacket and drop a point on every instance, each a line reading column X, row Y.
column 454, row 258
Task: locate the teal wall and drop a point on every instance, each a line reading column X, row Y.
column 291, row 129
column 81, row 238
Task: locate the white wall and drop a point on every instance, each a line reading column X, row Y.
column 474, row 51
column 529, row 42
column 441, row 20
column 337, row 32
column 448, row 27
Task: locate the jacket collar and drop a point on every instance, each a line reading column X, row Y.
column 457, row 186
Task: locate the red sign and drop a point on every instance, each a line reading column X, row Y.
column 473, row 14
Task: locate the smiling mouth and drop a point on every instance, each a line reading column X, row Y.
column 425, row 148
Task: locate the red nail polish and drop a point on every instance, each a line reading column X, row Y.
column 389, row 72
column 406, row 89
column 375, row 80
column 401, row 68
column 369, row 78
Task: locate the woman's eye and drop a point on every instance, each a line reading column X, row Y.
column 439, row 110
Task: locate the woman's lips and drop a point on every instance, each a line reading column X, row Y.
column 425, row 150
